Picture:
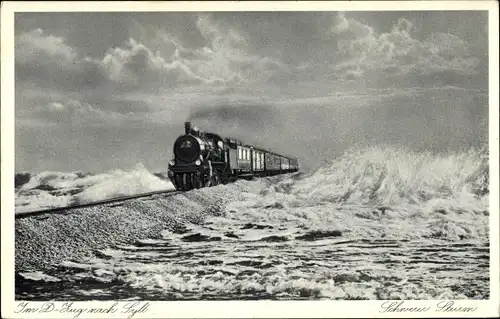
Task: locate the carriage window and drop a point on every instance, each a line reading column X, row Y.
column 240, row 156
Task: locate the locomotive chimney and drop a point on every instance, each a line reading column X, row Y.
column 187, row 128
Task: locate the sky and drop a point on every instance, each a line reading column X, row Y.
column 101, row 91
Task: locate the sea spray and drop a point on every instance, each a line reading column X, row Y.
column 60, row 189
column 121, row 183
column 395, row 176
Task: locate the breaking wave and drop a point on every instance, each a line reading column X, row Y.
column 397, row 177
column 60, row 189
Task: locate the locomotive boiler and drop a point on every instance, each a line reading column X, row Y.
column 203, row 159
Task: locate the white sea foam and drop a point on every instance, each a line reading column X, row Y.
column 39, row 276
column 57, row 189
column 397, row 176
column 119, row 183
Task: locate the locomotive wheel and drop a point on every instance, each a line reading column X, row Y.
column 186, row 180
column 190, row 181
column 197, row 182
column 225, row 178
column 178, row 182
column 207, row 181
column 215, row 180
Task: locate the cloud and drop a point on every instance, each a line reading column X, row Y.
column 224, row 59
column 137, row 66
column 48, row 62
column 227, row 55
column 362, row 51
column 36, row 43
column 56, row 106
column 350, row 28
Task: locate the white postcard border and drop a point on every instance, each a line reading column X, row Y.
column 238, row 309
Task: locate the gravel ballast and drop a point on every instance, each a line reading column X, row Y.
column 46, row 240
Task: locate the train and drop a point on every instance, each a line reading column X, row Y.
column 204, row 159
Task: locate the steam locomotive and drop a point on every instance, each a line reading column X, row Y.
column 203, row 159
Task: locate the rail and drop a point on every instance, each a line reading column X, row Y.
column 105, row 201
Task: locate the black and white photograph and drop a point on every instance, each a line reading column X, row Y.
column 277, row 155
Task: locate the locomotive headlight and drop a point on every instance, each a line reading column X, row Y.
column 171, row 162
column 198, row 162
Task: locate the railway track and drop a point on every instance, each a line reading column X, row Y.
column 62, row 210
